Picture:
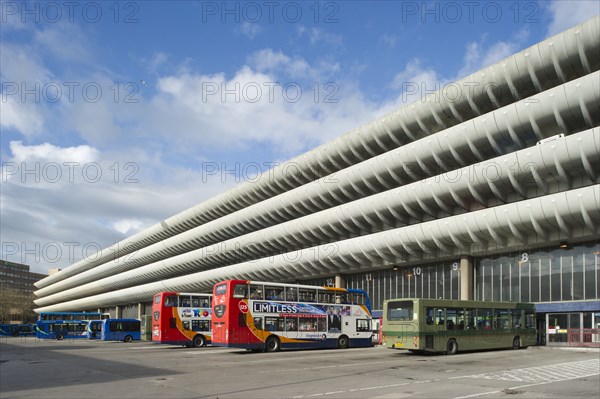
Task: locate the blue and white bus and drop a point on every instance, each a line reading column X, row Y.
column 61, row 325
column 17, row 330
column 126, row 330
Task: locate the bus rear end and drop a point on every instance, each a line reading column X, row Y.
column 229, row 317
column 181, row 319
column 160, row 317
column 400, row 327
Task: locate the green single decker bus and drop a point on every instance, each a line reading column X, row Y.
column 438, row 325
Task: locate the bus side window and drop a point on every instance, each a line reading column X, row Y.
column 291, row 324
column 195, row 302
column 307, row 295
column 529, row 319
column 274, row 293
column 451, row 314
column 256, row 292
column 517, row 316
column 363, row 325
column 326, row 297
column 184, row 301
column 469, row 319
column 440, row 317
column 501, row 318
column 460, row 319
column 484, row 319
column 359, row 298
column 429, row 315
column 290, row 294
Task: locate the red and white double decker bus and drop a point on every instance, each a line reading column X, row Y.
column 269, row 316
column 181, row 318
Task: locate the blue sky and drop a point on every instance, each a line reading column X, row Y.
column 115, row 116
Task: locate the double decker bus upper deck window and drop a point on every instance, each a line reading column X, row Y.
column 326, row 297
column 184, row 301
column 240, row 291
column 256, row 292
column 221, row 289
column 400, row 311
column 274, row 293
column 307, row 295
column 357, row 298
column 171, row 300
column 290, row 294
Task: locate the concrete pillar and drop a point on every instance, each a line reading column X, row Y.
column 140, row 307
column 466, row 278
column 118, row 312
column 340, row 281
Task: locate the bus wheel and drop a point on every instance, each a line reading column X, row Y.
column 516, row 343
column 60, row 336
column 452, row 347
column 343, row 342
column 198, row 341
column 272, row 344
column 128, row 338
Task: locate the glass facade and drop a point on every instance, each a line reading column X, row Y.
column 423, row 281
column 538, row 275
column 541, row 275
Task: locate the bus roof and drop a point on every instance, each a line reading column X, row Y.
column 291, row 285
column 468, row 303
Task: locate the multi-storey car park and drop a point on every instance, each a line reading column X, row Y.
column 487, row 189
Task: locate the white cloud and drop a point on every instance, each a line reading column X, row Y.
column 481, row 54
column 156, row 61
column 414, row 82
column 319, row 36
column 277, row 63
column 22, row 116
column 46, row 166
column 566, row 14
column 52, row 153
column 128, row 226
column 250, row 29
column 268, row 60
column 389, row 40
column 76, row 213
column 52, row 40
column 275, row 99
